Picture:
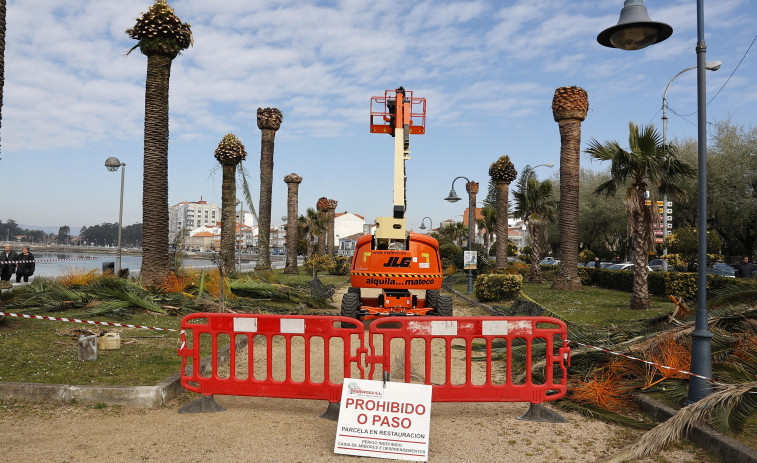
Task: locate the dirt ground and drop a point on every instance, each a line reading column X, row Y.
column 287, row 430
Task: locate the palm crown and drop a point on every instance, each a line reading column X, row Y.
column 230, row 150
column 161, row 31
column 503, row 170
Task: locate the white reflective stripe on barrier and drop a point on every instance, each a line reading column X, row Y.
column 249, row 325
column 494, row 327
column 293, row 325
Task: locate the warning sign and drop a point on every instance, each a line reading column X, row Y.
column 384, row 420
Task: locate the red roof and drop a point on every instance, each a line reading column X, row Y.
column 339, row 214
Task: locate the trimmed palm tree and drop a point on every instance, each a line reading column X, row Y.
column 269, row 121
column 472, row 189
column 322, row 206
column 161, row 36
column 314, row 225
column 503, row 172
column 535, row 205
column 647, row 165
column 229, row 153
column 569, row 108
column 293, row 184
column 488, row 224
column 330, row 235
column 2, row 57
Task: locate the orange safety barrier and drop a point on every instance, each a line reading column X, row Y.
column 308, row 357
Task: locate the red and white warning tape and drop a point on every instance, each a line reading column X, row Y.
column 37, row 261
column 602, row 349
column 91, row 322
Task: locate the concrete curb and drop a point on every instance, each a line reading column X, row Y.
column 128, row 396
column 488, row 308
column 725, row 447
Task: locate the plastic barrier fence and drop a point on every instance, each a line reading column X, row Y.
column 466, row 359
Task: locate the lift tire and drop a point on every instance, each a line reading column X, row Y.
column 353, row 290
column 350, row 304
column 444, row 309
column 432, row 298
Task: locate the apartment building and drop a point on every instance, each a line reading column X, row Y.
column 189, row 215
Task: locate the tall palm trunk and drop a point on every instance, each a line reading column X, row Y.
column 534, row 231
column 269, row 121
column 640, row 293
column 156, row 264
column 293, row 183
column 330, row 237
column 228, row 217
column 569, row 107
column 2, row 57
column 503, row 193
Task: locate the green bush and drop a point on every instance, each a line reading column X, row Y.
column 497, row 287
column 341, row 265
column 323, row 264
column 656, row 282
column 452, row 255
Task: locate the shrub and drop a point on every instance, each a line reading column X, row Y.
column 497, row 287
column 323, row 264
column 586, row 256
column 341, row 265
column 452, row 255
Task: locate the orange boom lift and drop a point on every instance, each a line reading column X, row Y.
column 396, row 273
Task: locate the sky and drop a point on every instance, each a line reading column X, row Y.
column 488, row 69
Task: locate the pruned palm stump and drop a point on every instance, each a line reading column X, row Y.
column 269, row 121
column 569, row 108
column 229, row 153
column 503, row 172
column 161, row 36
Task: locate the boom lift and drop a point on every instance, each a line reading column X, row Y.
column 396, row 273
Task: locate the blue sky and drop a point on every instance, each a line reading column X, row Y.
column 488, row 70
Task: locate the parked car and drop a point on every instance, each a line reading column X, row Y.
column 722, row 269
column 658, row 265
column 549, row 261
column 624, row 266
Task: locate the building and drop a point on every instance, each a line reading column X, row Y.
column 187, row 216
column 347, row 224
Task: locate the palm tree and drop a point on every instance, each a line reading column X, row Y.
column 313, row 225
column 2, row 56
column 161, row 36
column 648, row 165
column 488, row 224
column 569, row 107
column 330, row 235
column 503, row 172
column 229, row 153
column 535, row 205
column 269, row 121
column 293, row 183
column 322, row 206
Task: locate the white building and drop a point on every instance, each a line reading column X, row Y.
column 191, row 215
column 347, row 224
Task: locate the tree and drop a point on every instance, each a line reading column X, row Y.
column 293, row 183
column 536, row 206
column 601, row 220
column 63, row 233
column 269, row 121
column 503, row 173
column 331, row 216
column 229, row 153
column 161, row 36
column 647, row 165
column 488, row 224
column 313, row 225
column 569, row 108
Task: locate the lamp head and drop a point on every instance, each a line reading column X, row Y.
column 422, row 227
column 453, row 197
column 712, row 65
column 113, row 164
column 635, row 30
column 550, row 165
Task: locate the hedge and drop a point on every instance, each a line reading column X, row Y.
column 497, row 287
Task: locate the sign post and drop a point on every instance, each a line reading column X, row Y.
column 384, row 420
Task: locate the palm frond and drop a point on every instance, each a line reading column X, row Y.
column 592, row 411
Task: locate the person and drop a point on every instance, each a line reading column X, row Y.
column 7, row 263
column 596, row 262
column 744, row 269
column 25, row 267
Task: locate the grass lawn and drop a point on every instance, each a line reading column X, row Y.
column 42, row 351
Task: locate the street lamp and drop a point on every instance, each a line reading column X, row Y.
column 634, row 30
column 239, row 237
column 112, row 164
column 701, row 345
column 453, row 198
column 710, row 66
column 430, row 224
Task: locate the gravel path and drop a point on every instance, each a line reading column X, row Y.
column 287, row 430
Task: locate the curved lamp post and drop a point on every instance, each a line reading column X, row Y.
column 710, row 66
column 453, row 198
column 430, row 224
column 701, row 346
column 112, row 163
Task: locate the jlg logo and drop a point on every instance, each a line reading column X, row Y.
column 396, row 262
